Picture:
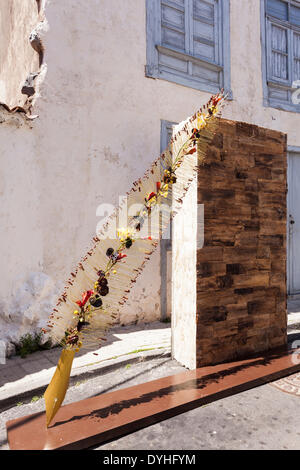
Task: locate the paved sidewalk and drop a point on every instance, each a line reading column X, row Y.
column 294, row 320
column 21, row 378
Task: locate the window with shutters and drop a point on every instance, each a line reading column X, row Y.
column 188, row 43
column 281, row 53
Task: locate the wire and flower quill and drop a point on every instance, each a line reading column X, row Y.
column 100, row 285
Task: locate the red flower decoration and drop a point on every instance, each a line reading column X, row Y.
column 85, row 297
column 158, row 185
column 120, row 256
column 151, row 195
column 216, row 100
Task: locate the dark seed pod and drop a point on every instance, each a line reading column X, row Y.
column 109, row 252
column 104, row 290
column 102, row 281
column 128, row 243
column 96, row 301
column 196, row 133
column 80, row 325
column 101, row 274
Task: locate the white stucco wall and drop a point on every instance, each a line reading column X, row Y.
column 98, row 130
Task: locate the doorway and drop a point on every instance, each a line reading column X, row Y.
column 293, row 246
column 293, row 228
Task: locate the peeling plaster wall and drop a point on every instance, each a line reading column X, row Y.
column 98, row 130
column 17, row 57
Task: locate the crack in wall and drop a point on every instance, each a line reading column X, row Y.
column 38, row 5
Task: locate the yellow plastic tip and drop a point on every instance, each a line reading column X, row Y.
column 56, row 390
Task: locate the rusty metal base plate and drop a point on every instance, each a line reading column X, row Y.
column 111, row 415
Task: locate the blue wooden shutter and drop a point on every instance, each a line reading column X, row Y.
column 295, row 15
column 165, row 243
column 205, row 30
column 282, row 52
column 166, row 133
column 173, row 24
column 206, row 40
column 296, row 59
column 185, row 42
column 278, row 52
column 278, row 9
